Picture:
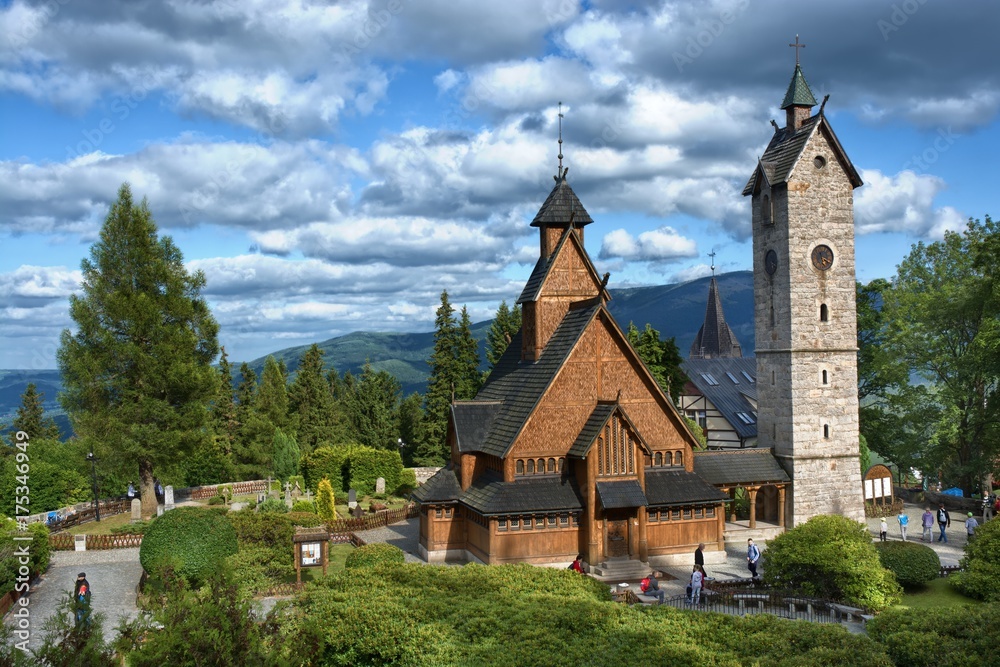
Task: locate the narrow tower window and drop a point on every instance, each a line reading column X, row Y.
column 826, row 430
column 531, row 466
column 772, row 378
column 765, row 210
column 825, row 378
column 824, row 313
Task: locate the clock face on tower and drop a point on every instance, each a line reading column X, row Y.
column 822, row 257
column 771, row 262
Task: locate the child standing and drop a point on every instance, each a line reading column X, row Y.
column 883, row 528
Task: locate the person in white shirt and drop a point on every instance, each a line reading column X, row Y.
column 697, row 577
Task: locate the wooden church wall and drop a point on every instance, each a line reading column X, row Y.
column 538, row 545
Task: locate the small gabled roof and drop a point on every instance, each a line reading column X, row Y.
column 595, row 424
column 798, row 94
column 532, row 288
column 731, row 398
column 739, row 466
column 442, row 487
column 785, row 149
column 520, row 385
column 621, row 494
column 561, row 206
column 490, row 495
column 679, row 487
column 472, row 420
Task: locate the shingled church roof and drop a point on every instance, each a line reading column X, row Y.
column 561, row 206
column 715, row 339
column 679, row 487
column 490, row 495
column 740, row 466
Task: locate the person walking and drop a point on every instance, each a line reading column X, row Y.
column 927, row 522
column 697, row 577
column 699, row 557
column 81, row 600
column 753, row 555
column 970, row 526
column 903, row 520
column 883, row 528
column 944, row 521
column 988, row 500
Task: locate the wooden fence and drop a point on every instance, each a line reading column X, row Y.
column 108, row 508
column 371, row 521
column 238, row 488
column 67, row 542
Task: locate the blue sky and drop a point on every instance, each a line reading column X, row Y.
column 333, row 166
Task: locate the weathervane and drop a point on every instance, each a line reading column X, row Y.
column 797, row 46
column 712, row 255
column 560, row 172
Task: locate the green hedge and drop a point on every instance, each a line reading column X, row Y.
column 304, row 506
column 962, row 636
column 516, row 615
column 913, row 564
column 267, row 529
column 39, row 552
column 258, row 568
column 353, row 467
column 372, row 555
column 273, row 505
column 980, row 577
column 305, row 519
column 192, row 540
column 831, row 557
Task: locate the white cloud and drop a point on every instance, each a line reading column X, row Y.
column 903, row 203
column 691, row 273
column 663, row 244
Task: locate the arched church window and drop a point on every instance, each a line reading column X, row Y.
column 657, row 459
column 541, row 465
column 531, row 466
column 824, row 313
column 678, row 458
column 561, row 463
column 552, row 465
column 519, row 467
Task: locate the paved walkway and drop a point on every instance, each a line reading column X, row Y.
column 950, row 553
column 113, row 576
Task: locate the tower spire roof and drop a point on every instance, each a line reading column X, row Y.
column 798, row 91
column 715, row 340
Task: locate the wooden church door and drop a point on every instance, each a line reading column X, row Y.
column 616, row 534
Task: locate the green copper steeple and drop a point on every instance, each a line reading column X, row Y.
column 798, row 91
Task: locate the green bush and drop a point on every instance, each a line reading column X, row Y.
column 137, row 528
column 962, row 636
column 192, row 540
column 52, row 486
column 216, row 500
column 268, row 529
column 831, row 557
column 407, row 482
column 515, row 615
column 258, row 568
column 352, row 467
column 371, row 555
column 305, row 519
column 325, row 501
column 913, row 564
column 273, row 505
column 980, row 576
column 38, row 551
column 304, row 506
column 328, row 462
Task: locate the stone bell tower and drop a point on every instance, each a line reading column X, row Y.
column 804, row 308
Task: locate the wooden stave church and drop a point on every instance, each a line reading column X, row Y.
column 571, row 447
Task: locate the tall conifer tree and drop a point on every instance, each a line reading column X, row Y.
column 224, row 410
column 137, row 371
column 505, row 326
column 313, row 412
column 442, row 382
column 467, row 360
column 31, row 419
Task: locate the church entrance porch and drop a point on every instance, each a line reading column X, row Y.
column 617, row 542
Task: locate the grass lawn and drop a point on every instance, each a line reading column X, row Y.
column 939, row 593
column 102, row 528
column 338, row 556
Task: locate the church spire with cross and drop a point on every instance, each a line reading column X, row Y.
column 799, row 100
column 715, row 340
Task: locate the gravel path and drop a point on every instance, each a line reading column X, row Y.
column 113, row 576
column 405, row 535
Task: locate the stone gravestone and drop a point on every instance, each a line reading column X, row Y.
column 168, row 497
column 288, row 495
column 159, row 510
column 261, row 497
column 380, row 485
column 296, row 491
column 352, row 499
column 136, row 510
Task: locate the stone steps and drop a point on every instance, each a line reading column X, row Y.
column 620, row 570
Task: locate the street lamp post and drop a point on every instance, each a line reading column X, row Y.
column 93, row 469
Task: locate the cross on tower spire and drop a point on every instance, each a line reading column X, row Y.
column 560, row 171
column 712, row 255
column 797, row 46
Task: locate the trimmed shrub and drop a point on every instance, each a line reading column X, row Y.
column 365, row 465
column 137, row 528
column 328, row 463
column 304, row 506
column 258, row 568
column 407, row 482
column 913, row 564
column 216, row 500
column 946, row 637
column 273, row 505
column 38, row 552
column 372, row 555
column 324, row 501
column 980, row 577
column 831, row 557
column 305, row 519
column 268, row 529
column 193, row 541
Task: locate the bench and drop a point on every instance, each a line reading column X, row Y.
column 795, row 603
column 850, row 613
column 760, row 598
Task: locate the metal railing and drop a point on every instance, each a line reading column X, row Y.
column 730, row 599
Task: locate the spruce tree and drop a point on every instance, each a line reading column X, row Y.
column 312, row 410
column 252, row 447
column 224, row 414
column 442, row 382
column 272, row 393
column 137, row 373
column 505, row 326
column 372, row 407
column 467, row 360
column 31, row 419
